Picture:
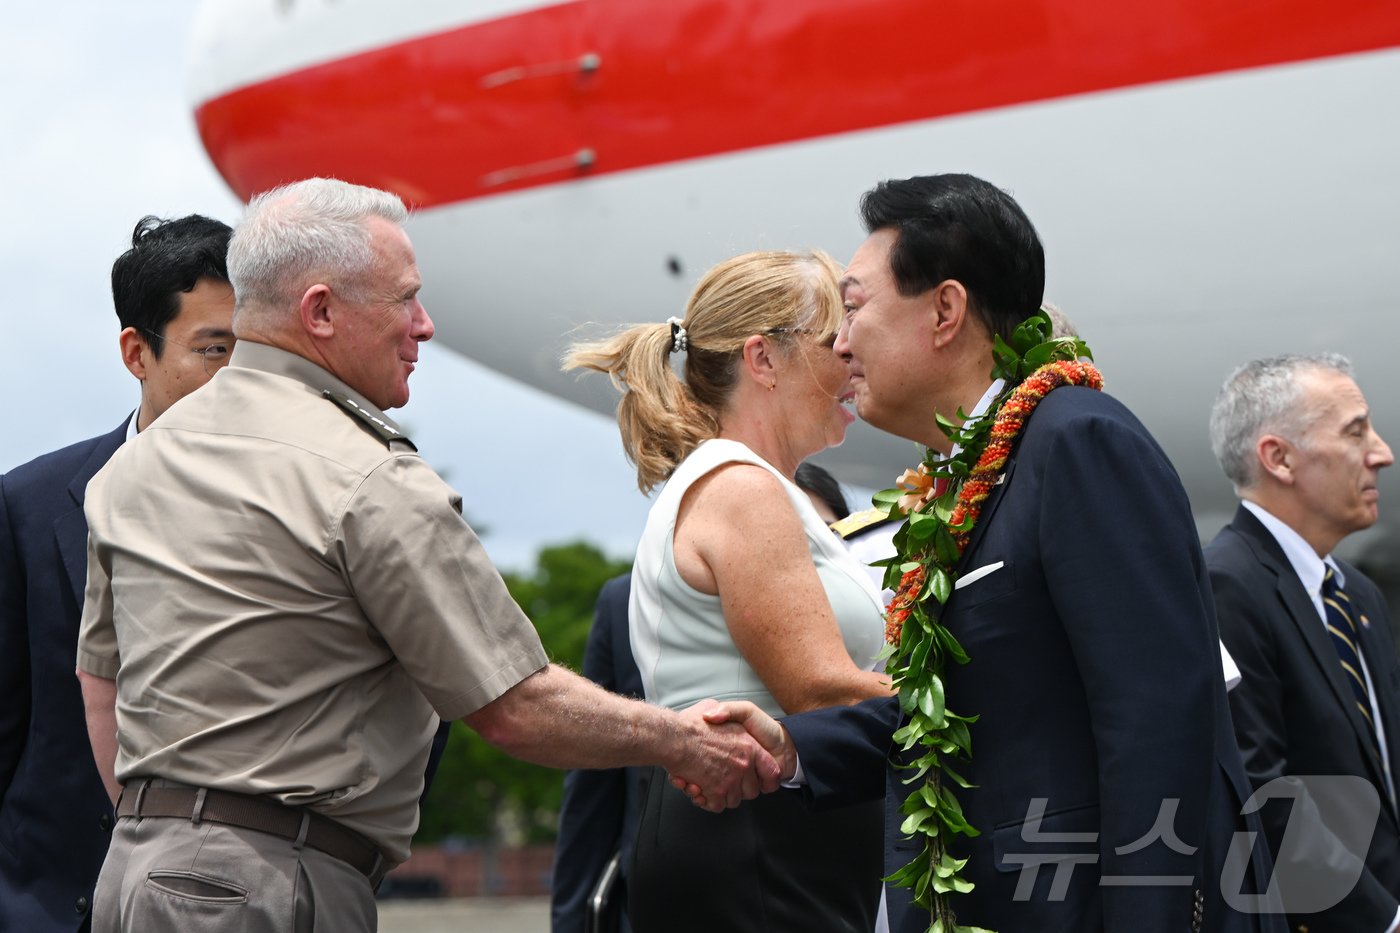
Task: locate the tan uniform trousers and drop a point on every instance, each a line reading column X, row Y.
column 169, row 875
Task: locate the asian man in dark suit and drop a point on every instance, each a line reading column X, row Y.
column 1320, row 693
column 1108, row 788
column 175, row 306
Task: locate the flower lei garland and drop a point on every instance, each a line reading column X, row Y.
column 943, row 499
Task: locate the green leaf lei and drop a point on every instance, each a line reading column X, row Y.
column 927, row 549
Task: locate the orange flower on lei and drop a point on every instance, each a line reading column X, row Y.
column 897, row 612
column 922, row 488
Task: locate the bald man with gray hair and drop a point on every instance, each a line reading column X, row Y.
column 283, row 599
column 1320, row 693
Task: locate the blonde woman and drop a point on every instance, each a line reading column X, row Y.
column 740, row 591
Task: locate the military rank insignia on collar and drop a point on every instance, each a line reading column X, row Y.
column 371, row 422
column 858, row 522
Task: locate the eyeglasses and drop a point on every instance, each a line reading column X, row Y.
column 215, row 355
column 830, row 335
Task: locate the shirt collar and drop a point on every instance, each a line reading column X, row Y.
column 1310, row 568
column 983, row 404
column 250, row 354
column 131, row 423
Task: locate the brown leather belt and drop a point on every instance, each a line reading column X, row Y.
column 146, row 799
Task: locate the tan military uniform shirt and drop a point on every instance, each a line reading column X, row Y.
column 286, row 595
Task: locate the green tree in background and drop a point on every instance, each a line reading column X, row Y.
column 480, row 792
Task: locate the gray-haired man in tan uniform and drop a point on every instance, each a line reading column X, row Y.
column 283, row 597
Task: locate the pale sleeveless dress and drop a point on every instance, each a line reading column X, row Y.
column 679, row 636
column 772, row 865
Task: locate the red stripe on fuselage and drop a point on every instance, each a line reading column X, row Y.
column 687, row 78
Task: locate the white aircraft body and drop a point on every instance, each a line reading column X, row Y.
column 1212, row 181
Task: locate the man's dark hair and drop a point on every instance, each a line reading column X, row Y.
column 815, row 481
column 167, row 258
column 961, row 227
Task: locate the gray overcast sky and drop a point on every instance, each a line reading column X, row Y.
column 96, row 131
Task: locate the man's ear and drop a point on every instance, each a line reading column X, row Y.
column 132, row 343
column 314, row 311
column 1276, row 458
column 759, row 363
column 949, row 311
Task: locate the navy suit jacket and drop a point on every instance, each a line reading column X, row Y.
column 1096, row 674
column 55, row 818
column 1295, row 714
column 598, row 816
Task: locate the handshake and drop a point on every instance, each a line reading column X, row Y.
column 732, row 752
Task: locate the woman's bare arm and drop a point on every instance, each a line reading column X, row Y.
column 738, row 536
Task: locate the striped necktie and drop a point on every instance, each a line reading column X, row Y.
column 1342, row 628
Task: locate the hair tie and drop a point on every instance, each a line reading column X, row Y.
column 680, row 342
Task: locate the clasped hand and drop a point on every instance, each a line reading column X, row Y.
column 739, row 752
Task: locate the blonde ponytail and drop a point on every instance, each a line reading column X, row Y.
column 660, row 422
column 662, row 418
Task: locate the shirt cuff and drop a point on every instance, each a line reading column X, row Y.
column 799, row 779
column 1229, row 668
column 98, row 666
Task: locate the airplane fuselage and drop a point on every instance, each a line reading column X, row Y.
column 1213, row 182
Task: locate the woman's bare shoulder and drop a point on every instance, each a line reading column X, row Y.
column 736, row 489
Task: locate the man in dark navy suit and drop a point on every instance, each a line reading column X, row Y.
column 1320, row 694
column 1108, row 788
column 598, row 816
column 175, row 306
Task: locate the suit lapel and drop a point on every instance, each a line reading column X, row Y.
column 70, row 528
column 984, row 519
column 1310, row 626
